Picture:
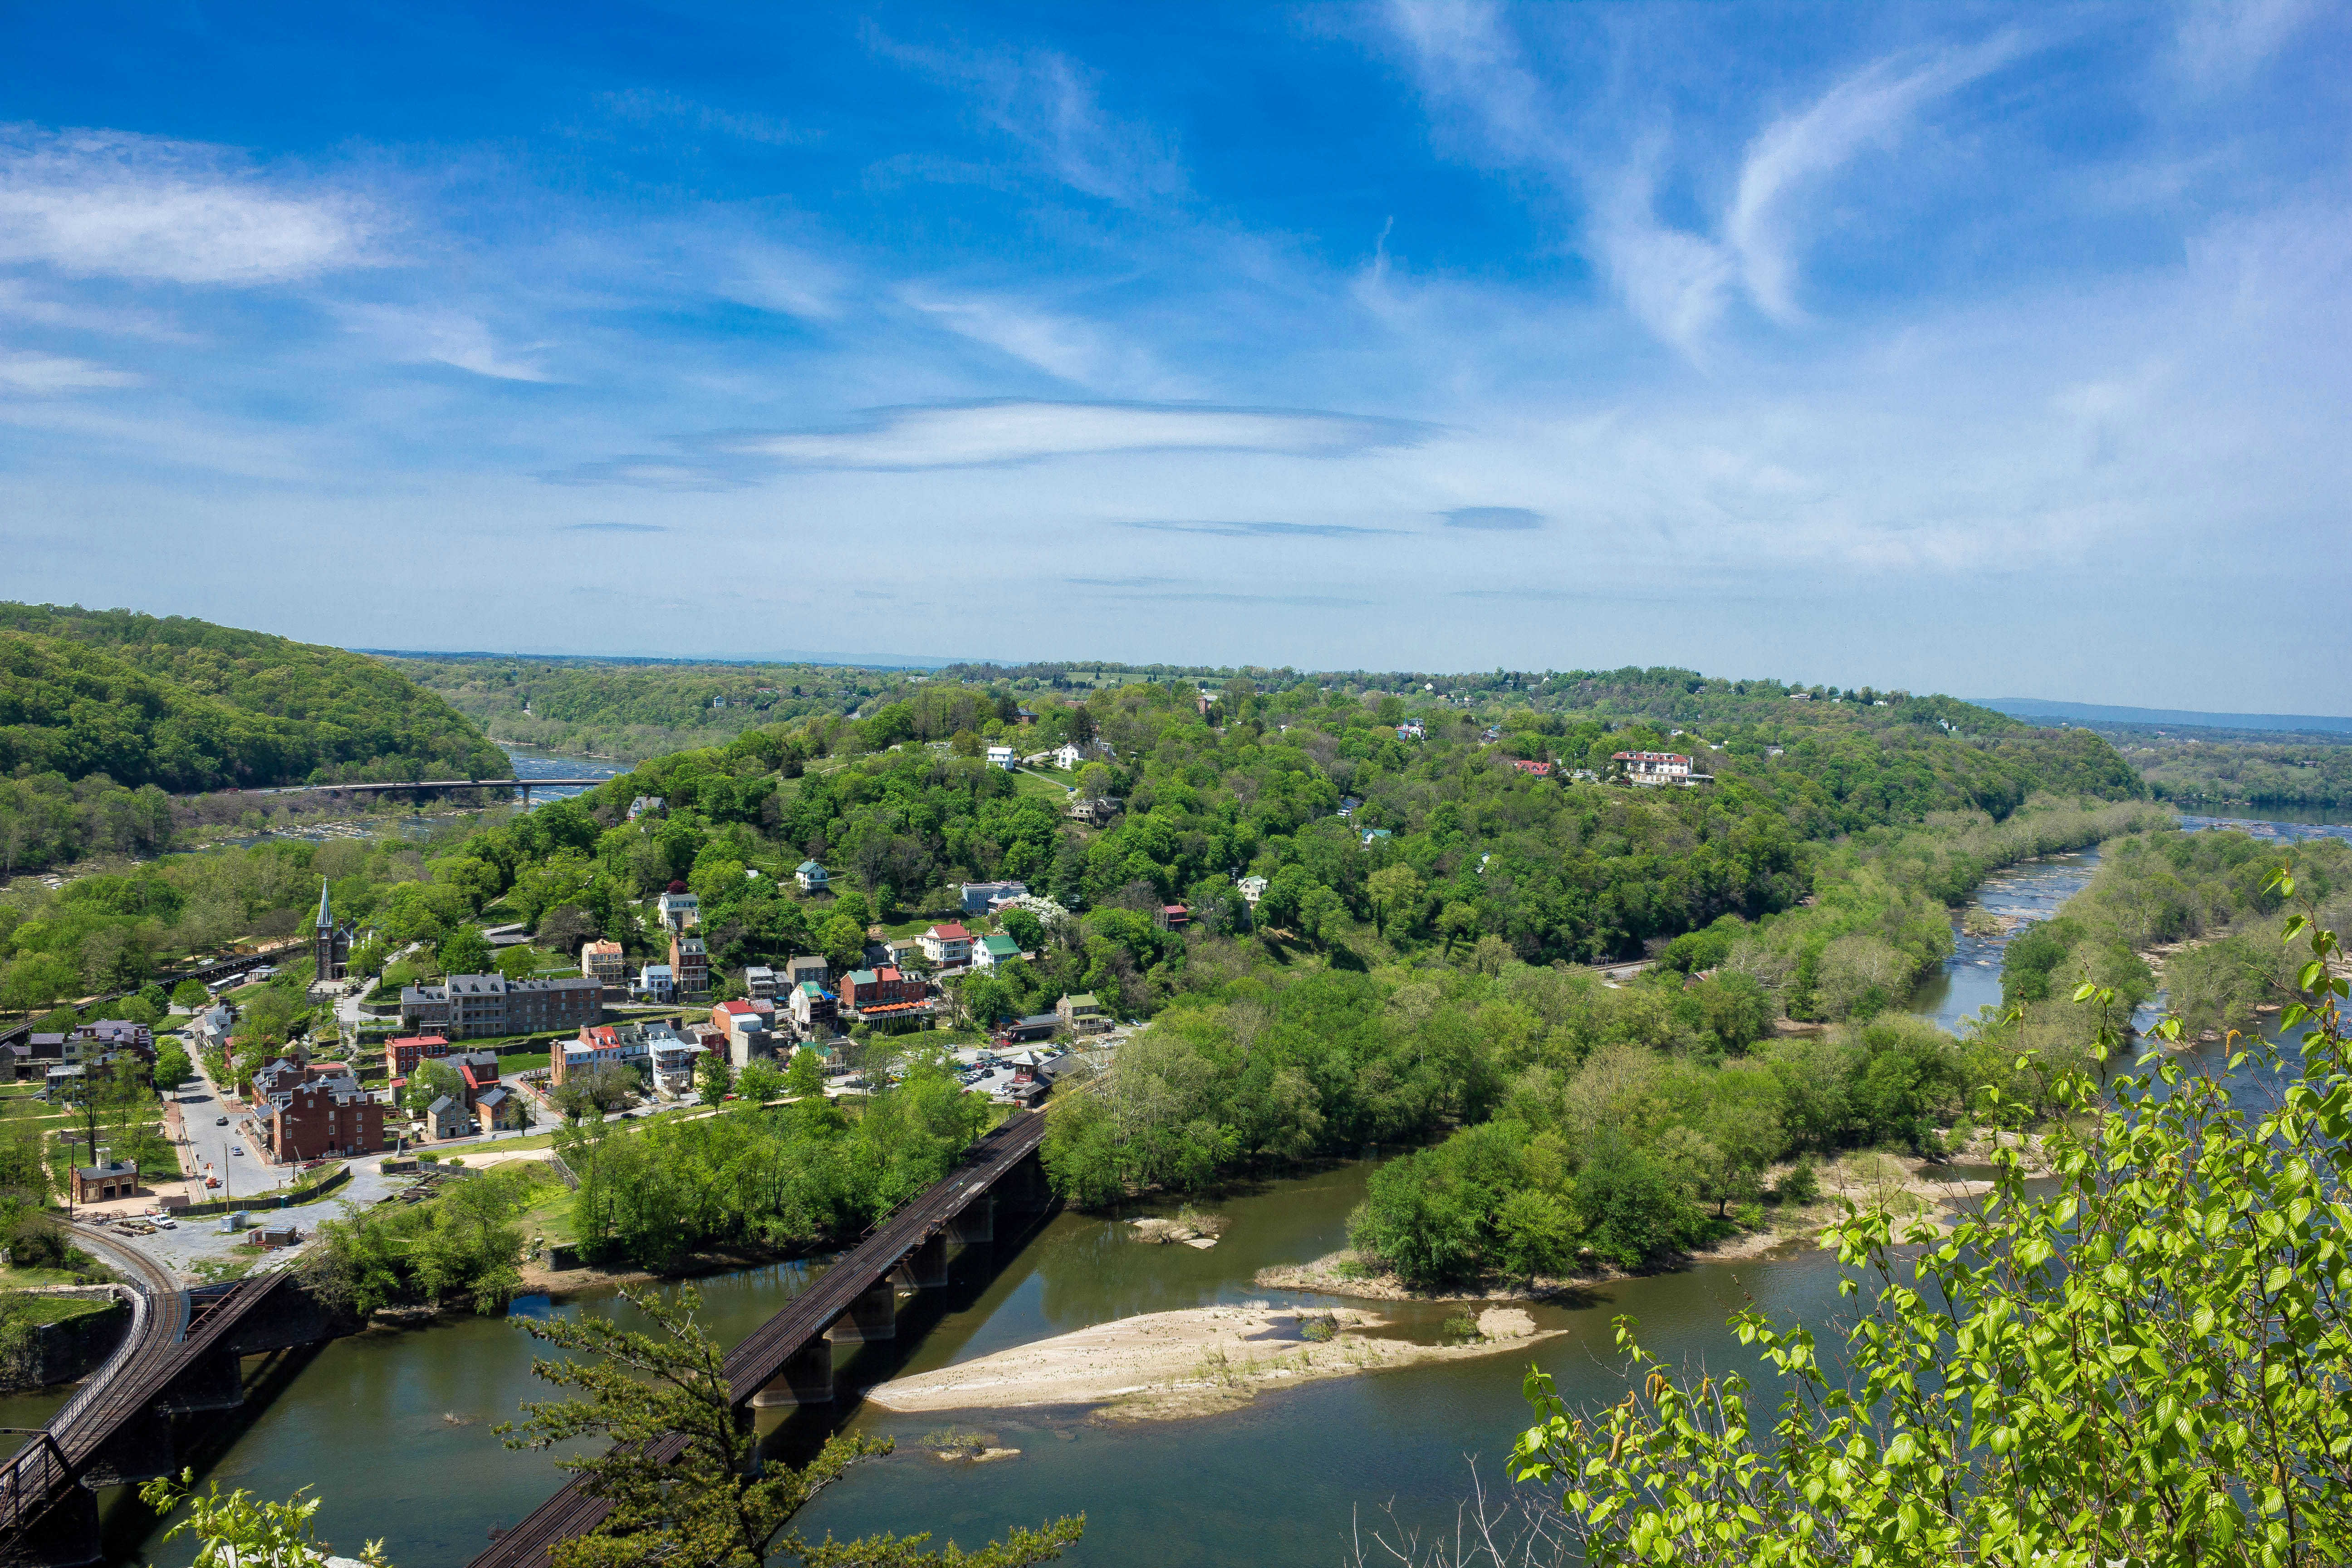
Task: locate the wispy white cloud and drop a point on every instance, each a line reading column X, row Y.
column 1494, row 518
column 445, row 337
column 1767, row 227
column 109, row 203
column 1679, row 280
column 1051, row 104
column 2220, row 43
column 983, row 434
column 652, row 107
column 46, row 376
column 1067, row 347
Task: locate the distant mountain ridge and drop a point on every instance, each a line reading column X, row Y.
column 2036, row 707
column 187, row 705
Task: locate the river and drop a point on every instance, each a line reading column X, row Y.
column 393, row 1429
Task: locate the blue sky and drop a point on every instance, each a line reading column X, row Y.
column 1992, row 350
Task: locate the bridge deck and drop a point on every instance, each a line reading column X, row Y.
column 761, row 1357
column 161, row 1344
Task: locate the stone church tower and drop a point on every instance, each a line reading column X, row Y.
column 331, row 944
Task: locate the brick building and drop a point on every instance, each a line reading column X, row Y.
column 321, row 1116
column 477, row 1006
column 401, row 1055
column 689, row 964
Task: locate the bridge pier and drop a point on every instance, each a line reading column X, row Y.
column 140, row 1450
column 976, row 1225
column 926, row 1268
column 212, row 1382
column 1023, row 1193
column 873, row 1316
column 808, row 1379
column 64, row 1536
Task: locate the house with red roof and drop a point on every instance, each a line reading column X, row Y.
column 949, row 946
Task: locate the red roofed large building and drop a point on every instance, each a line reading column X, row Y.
column 401, row 1055
column 947, row 945
column 1652, row 767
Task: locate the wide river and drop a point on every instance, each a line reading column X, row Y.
column 392, row 1429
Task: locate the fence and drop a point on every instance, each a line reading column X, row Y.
column 286, row 1200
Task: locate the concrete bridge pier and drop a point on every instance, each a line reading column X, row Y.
column 926, row 1268
column 140, row 1450
column 873, row 1316
column 213, row 1382
column 808, row 1379
column 976, row 1226
column 1023, row 1193
column 64, row 1537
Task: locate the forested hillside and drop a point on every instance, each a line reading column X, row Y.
column 635, row 708
column 187, row 705
column 104, row 712
column 1413, row 965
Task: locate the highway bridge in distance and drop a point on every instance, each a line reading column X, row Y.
column 426, row 785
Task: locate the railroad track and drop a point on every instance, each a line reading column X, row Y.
column 761, row 1357
column 163, row 1339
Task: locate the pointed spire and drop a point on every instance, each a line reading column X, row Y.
column 326, row 915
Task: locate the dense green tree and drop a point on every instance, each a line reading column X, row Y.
column 2144, row 1364
column 682, row 1475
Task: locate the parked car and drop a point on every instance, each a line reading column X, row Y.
column 235, row 1150
column 220, row 1121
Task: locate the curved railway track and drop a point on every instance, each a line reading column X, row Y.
column 166, row 1337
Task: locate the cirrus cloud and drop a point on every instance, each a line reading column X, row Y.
column 114, row 204
column 974, row 434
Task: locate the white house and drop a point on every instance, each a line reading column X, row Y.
column 1001, row 757
column 655, row 983
column 1653, row 767
column 679, row 911
column 1252, row 888
column 991, row 951
column 1068, row 757
column 811, row 877
column 946, row 946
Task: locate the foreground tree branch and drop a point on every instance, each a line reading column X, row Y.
column 2151, row 1364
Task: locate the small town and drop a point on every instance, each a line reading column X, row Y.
column 1439, row 784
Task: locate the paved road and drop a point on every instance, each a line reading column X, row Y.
column 243, row 1174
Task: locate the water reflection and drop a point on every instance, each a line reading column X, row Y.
column 393, row 1429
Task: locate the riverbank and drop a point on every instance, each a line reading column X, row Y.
column 1866, row 1178
column 1196, row 1362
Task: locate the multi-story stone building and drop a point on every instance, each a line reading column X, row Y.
column 477, row 1006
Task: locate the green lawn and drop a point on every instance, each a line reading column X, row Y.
column 43, row 1309
column 25, row 1279
column 1027, row 782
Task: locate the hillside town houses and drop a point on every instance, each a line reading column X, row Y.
column 472, row 1007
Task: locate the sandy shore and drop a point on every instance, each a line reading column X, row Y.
column 1166, row 1365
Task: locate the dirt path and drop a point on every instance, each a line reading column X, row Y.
column 1166, row 1365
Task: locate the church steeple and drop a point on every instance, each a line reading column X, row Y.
column 330, row 945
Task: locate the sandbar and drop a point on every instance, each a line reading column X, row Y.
column 1187, row 1363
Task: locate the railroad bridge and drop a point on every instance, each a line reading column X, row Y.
column 180, row 1356
column 999, row 1187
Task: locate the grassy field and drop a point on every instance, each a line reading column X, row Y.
column 1040, row 784
column 26, row 1278
column 46, row 1309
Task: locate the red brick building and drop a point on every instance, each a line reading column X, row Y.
column 323, row 1117
column 401, row 1055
